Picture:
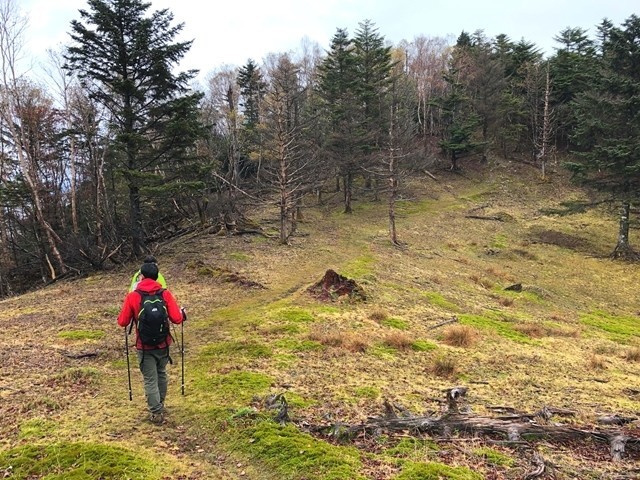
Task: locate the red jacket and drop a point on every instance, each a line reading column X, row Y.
column 133, row 303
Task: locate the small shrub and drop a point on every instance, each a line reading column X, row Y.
column 398, row 340
column 596, row 363
column 459, row 336
column 355, row 343
column 633, row 355
column 378, row 315
column 483, row 282
column 329, row 338
column 444, row 367
column 505, row 301
column 533, row 330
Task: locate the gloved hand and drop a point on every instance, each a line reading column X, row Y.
column 184, row 314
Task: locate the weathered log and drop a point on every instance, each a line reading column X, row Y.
column 515, row 428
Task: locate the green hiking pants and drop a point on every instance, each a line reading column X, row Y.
column 153, row 365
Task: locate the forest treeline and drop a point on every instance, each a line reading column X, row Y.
column 118, row 150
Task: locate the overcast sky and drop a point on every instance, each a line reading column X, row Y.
column 230, row 32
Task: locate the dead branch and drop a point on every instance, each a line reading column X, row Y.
column 81, row 354
column 514, row 429
column 445, row 322
column 482, row 217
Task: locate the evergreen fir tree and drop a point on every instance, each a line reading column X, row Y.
column 126, row 58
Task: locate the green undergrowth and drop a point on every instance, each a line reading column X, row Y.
column 37, row 428
column 412, row 449
column 234, row 388
column 501, row 327
column 81, row 334
column 436, row 471
column 286, row 450
column 438, row 300
column 78, row 461
column 423, row 346
column 619, row 329
column 359, row 268
column 494, row 457
column 242, row 348
column 396, row 323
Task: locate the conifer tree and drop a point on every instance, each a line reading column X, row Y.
column 608, row 123
column 126, row 58
column 337, row 88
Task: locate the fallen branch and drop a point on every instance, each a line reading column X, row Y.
column 515, row 428
column 445, row 322
column 81, row 355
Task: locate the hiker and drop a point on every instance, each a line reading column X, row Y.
column 152, row 334
column 137, row 276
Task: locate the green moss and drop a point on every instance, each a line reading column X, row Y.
column 620, row 329
column 78, row 461
column 37, row 428
column 296, row 455
column 439, row 301
column 293, row 314
column 410, row 447
column 436, row 471
column 367, row 392
column 359, row 267
column 423, row 346
column 81, row 334
column 501, row 327
column 247, row 349
column 494, row 457
column 383, row 352
column 499, row 241
column 238, row 387
column 298, row 345
column 243, row 257
column 393, row 322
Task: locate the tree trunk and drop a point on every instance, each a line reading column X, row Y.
column 347, row 193
column 137, row 232
column 623, row 248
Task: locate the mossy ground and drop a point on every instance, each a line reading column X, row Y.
column 563, row 341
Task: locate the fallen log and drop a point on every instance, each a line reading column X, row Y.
column 515, row 428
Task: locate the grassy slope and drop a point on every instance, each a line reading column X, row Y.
column 570, row 339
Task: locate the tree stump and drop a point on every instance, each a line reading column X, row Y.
column 334, row 285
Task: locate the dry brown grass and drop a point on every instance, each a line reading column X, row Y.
column 444, row 367
column 482, row 281
column 596, row 362
column 632, row 355
column 378, row 315
column 398, row 340
column 460, row 336
column 350, row 341
column 506, row 301
column 533, row 330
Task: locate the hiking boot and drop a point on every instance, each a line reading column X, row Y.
column 157, row 418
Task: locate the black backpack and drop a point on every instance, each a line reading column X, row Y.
column 153, row 320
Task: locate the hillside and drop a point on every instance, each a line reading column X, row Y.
column 568, row 340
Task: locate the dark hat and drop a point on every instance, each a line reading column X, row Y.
column 150, row 259
column 149, row 270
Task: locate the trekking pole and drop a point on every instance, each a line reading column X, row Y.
column 126, row 343
column 184, row 317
